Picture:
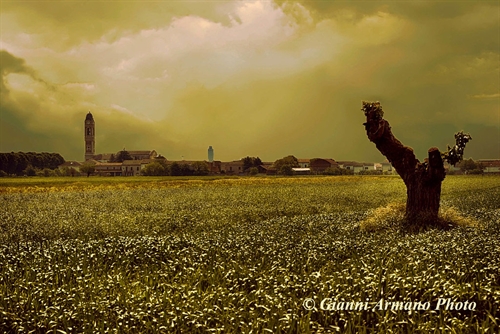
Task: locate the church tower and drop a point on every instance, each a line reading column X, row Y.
column 89, row 137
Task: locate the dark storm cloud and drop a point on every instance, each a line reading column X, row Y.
column 90, row 21
column 11, row 64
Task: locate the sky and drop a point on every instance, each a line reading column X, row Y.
column 249, row 78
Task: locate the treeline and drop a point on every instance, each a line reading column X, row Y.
column 160, row 167
column 22, row 163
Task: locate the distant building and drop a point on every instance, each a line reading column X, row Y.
column 490, row 165
column 232, row 167
column 214, row 167
column 301, row 171
column 104, row 157
column 355, row 166
column 267, row 168
column 141, row 155
column 89, row 136
column 210, row 154
column 304, row 163
column 134, row 167
column 319, row 165
column 386, row 167
column 108, row 168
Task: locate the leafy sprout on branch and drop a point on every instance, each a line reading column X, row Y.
column 455, row 154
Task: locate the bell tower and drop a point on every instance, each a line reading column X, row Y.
column 89, row 137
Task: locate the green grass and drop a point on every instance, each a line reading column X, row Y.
column 239, row 255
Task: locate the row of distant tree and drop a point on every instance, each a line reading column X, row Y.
column 46, row 164
column 159, row 167
column 21, row 163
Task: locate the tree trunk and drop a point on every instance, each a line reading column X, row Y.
column 423, row 190
column 422, row 180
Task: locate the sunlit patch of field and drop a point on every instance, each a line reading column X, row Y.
column 240, row 255
column 391, row 218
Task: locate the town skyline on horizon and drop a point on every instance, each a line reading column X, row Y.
column 262, row 78
column 210, row 153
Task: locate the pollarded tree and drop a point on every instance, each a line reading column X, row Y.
column 422, row 179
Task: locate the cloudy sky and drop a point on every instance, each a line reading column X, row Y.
column 257, row 78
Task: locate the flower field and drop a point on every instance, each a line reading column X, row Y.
column 241, row 255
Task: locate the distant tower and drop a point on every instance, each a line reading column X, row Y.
column 89, row 137
column 210, row 154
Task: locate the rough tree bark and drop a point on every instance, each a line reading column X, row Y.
column 422, row 179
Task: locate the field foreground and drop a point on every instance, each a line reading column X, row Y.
column 277, row 255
